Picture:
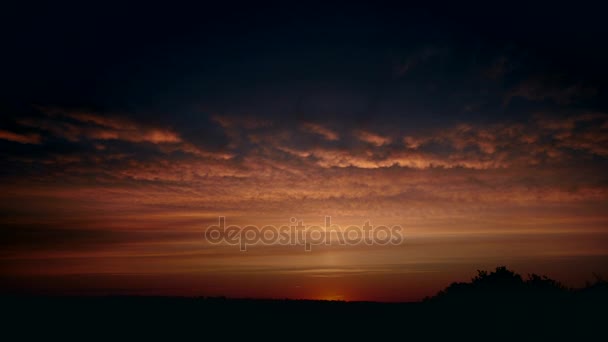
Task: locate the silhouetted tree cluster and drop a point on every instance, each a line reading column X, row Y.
column 504, row 286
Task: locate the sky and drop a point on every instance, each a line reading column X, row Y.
column 126, row 131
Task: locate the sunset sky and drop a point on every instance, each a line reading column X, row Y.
column 126, row 131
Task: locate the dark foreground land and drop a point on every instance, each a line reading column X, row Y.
column 492, row 306
column 115, row 317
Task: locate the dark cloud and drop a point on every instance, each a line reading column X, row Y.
column 551, row 89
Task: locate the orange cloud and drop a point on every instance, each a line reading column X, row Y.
column 31, row 138
column 104, row 128
column 372, row 138
column 326, row 133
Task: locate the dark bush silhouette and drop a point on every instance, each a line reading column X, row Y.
column 595, row 291
column 504, row 287
column 543, row 284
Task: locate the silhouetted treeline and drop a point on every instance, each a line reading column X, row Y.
column 504, row 287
